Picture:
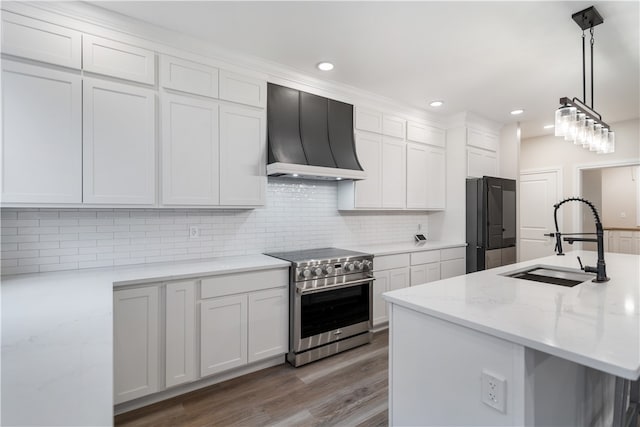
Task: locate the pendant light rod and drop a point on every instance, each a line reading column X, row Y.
column 584, row 70
column 592, row 42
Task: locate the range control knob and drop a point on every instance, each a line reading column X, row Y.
column 348, row 267
column 317, row 271
column 306, row 273
column 327, row 269
column 368, row 265
column 358, row 265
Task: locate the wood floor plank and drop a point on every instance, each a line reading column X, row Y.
column 348, row 389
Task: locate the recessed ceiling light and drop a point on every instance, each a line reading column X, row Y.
column 325, row 66
column 549, row 126
column 436, row 103
column 295, row 175
column 338, row 179
column 517, row 112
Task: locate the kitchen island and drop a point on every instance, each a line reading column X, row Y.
column 551, row 353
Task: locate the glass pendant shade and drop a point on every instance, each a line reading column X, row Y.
column 564, row 117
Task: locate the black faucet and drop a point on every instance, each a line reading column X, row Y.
column 601, row 268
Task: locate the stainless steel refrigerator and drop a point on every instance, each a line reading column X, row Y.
column 491, row 223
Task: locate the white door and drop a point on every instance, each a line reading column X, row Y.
column 190, row 151
column 42, row 135
column 180, row 327
column 436, row 177
column 135, row 347
column 368, row 192
column 268, row 323
column 417, row 176
column 118, row 143
column 243, row 156
column 223, row 334
column 380, row 286
column 394, row 176
column 538, row 193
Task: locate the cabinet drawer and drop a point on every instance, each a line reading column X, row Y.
column 187, row 76
column 368, row 120
column 452, row 253
column 242, row 89
column 41, row 41
column 388, row 262
column 229, row 284
column 111, row 58
column 425, row 257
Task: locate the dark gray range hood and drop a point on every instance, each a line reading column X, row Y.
column 310, row 136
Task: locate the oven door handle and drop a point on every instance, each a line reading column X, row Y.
column 337, row 285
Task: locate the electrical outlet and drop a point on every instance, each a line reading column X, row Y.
column 623, row 214
column 194, row 232
column 494, row 390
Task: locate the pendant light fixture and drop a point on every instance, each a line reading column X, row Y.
column 575, row 120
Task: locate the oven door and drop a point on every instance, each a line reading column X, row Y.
column 327, row 315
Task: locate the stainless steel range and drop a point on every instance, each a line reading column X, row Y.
column 330, row 303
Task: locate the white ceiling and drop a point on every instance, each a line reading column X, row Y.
column 484, row 57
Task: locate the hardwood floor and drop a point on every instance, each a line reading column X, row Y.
column 348, row 389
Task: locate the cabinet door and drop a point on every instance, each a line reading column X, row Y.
column 393, row 126
column 243, row 89
column 394, row 173
column 425, row 134
column 187, row 76
column 481, row 163
column 223, row 334
column 436, row 178
column 180, row 329
column 398, row 278
column 418, row 274
column 368, row 120
column 368, row 192
column 243, row 145
column 190, row 151
column 380, row 286
column 417, row 176
column 626, row 242
column 111, row 58
column 480, row 139
column 135, row 347
column 433, row 272
column 118, row 144
column 268, row 323
column 42, row 135
column 452, row 268
column 41, row 41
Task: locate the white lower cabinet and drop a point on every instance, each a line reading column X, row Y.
column 180, row 329
column 425, row 273
column 452, row 262
column 223, row 334
column 387, row 280
column 135, row 345
column 268, row 323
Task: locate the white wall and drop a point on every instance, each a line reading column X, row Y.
column 619, row 193
column 298, row 214
column 550, row 151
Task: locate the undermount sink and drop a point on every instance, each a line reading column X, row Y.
column 550, row 274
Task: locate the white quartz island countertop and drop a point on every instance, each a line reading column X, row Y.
column 57, row 337
column 592, row 324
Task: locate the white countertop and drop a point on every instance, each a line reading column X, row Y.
column 593, row 324
column 57, row 337
column 405, row 247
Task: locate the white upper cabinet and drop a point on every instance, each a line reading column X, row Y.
column 481, row 139
column 243, row 89
column 115, row 59
column 190, row 77
column 243, row 156
column 393, row 126
column 190, row 151
column 481, row 163
column 368, row 192
column 41, row 134
column 394, row 173
column 436, row 178
column 418, row 132
column 41, row 41
column 118, row 143
column 417, row 176
column 368, row 120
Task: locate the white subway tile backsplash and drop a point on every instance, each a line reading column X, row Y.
column 298, row 215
